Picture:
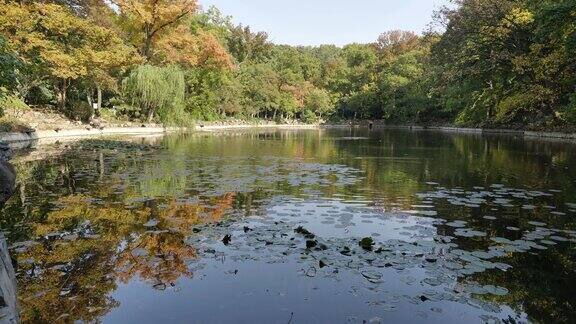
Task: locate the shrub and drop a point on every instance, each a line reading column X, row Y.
column 81, row 110
column 309, row 117
column 205, row 113
column 515, row 104
column 11, row 105
column 568, row 113
column 10, row 124
column 128, row 111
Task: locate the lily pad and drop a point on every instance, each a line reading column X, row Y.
column 367, row 243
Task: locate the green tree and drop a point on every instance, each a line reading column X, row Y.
column 58, row 46
column 157, row 90
column 244, row 45
column 319, row 102
column 506, row 61
column 9, row 63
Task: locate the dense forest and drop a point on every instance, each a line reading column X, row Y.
column 486, row 63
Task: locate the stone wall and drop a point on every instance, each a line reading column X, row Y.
column 8, row 297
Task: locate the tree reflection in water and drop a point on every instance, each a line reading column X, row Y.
column 104, row 213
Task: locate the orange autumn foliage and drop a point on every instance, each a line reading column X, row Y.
column 159, row 29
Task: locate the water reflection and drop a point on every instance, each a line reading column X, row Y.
column 464, row 228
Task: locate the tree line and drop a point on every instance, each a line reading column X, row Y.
column 495, row 63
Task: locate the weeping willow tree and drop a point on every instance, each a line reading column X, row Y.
column 157, row 91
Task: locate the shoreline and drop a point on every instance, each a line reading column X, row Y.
column 13, row 138
column 464, row 130
column 16, row 141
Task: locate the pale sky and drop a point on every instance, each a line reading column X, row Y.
column 339, row 22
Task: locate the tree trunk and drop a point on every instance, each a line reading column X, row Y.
column 99, row 97
column 89, row 100
column 98, row 101
column 146, row 49
column 90, row 106
column 489, row 111
column 63, row 91
column 151, row 114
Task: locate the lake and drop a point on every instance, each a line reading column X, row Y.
column 296, row 226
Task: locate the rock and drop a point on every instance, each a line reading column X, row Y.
column 70, row 237
column 95, row 123
column 5, row 153
column 227, row 239
column 9, row 308
column 7, row 181
column 151, row 223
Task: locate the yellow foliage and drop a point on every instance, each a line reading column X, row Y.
column 519, row 17
column 159, row 30
column 148, row 21
column 63, row 45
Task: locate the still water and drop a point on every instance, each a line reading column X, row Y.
column 315, row 226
